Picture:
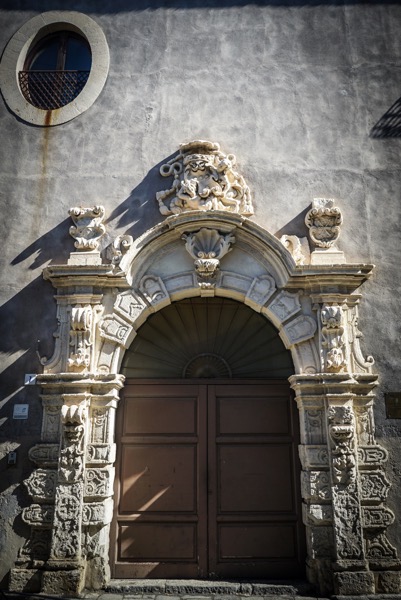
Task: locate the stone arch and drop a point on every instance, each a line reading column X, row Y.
column 258, row 271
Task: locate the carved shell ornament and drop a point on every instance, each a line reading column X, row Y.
column 204, row 178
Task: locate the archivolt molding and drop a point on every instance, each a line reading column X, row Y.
column 314, row 308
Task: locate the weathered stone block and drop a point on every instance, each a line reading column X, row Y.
column 355, row 583
column 62, row 582
column 25, row 580
column 389, row 582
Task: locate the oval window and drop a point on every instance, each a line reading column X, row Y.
column 56, row 70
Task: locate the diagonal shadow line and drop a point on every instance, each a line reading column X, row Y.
column 49, row 247
column 389, row 125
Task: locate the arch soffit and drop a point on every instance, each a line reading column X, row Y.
column 256, row 271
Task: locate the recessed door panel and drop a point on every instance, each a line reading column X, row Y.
column 158, row 478
column 250, row 478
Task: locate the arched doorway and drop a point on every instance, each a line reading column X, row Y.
column 207, row 433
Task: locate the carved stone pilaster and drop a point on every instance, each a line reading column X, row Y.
column 344, row 486
column 347, row 516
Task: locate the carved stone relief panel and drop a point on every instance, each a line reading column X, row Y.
column 345, row 488
column 154, row 290
column 285, row 305
column 261, row 289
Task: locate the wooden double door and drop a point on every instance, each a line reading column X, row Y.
column 207, row 481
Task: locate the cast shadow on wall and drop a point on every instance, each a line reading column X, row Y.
column 54, row 246
column 139, row 212
column 389, row 125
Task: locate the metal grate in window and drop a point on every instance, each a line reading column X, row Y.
column 51, row 89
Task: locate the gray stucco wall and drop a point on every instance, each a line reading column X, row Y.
column 292, row 88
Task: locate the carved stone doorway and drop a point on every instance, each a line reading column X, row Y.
column 208, row 470
column 208, row 481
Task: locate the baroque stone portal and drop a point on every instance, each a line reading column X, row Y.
column 101, row 303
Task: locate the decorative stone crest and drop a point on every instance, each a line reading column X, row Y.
column 88, row 228
column 204, row 179
column 207, row 247
column 323, row 221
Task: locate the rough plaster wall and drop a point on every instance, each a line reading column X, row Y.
column 292, row 88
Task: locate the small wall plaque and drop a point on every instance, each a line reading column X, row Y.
column 393, row 405
column 21, row 411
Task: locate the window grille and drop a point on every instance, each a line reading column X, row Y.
column 51, row 89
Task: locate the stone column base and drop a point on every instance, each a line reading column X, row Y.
column 63, row 582
column 354, row 583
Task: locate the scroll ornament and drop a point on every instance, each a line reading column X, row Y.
column 204, row 179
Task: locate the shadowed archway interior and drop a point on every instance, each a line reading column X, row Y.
column 207, row 337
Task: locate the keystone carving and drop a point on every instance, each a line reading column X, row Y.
column 204, row 179
column 324, row 220
column 207, row 247
column 88, row 228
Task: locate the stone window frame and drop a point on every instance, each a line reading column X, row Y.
column 30, row 34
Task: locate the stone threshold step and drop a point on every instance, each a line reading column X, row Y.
column 204, row 587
